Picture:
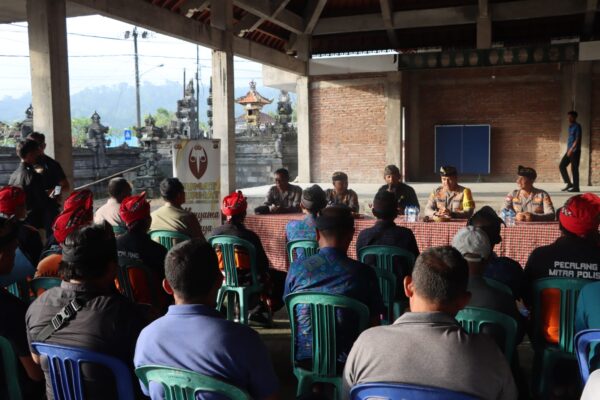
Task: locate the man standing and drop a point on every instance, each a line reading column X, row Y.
column 54, row 176
column 528, row 202
column 572, row 155
column 426, row 346
column 450, row 200
column 405, row 195
column 283, row 197
column 31, row 182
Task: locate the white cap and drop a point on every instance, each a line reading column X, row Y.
column 473, row 241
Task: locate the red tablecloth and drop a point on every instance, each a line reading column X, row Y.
column 517, row 241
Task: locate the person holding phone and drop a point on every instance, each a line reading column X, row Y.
column 55, row 180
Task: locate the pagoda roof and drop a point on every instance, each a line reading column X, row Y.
column 253, row 97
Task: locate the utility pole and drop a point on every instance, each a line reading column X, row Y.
column 198, row 86
column 137, row 79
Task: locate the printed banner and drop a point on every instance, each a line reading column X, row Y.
column 197, row 165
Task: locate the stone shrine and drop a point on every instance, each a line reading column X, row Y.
column 97, row 142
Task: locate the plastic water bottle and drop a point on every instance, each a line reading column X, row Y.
column 411, row 214
column 508, row 215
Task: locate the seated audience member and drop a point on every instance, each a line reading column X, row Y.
column 12, row 315
column 12, row 204
column 405, row 195
column 118, row 189
column 588, row 315
column 31, row 182
column 568, row 257
column 194, row 336
column 450, row 200
column 313, row 201
column 386, row 233
column 135, row 246
column 106, row 321
column 171, row 216
column 528, row 202
column 53, row 176
column 340, row 194
column 475, row 248
column 78, row 212
column 591, row 391
column 283, row 197
column 332, row 271
column 234, row 208
column 502, row 269
column 427, row 346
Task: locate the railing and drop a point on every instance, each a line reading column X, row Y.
column 87, row 185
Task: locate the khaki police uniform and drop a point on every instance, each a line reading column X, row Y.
column 538, row 203
column 459, row 202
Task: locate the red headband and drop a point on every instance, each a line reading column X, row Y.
column 80, row 198
column 581, row 214
column 11, row 197
column 234, row 204
column 69, row 220
column 134, row 208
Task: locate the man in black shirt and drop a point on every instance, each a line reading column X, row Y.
column 29, row 180
column 12, row 314
column 386, row 233
column 404, row 194
column 54, row 176
column 234, row 208
column 106, row 323
column 136, row 248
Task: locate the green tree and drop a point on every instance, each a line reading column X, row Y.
column 79, row 130
column 163, row 117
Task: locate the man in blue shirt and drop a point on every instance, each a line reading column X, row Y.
column 194, row 336
column 572, row 155
column 332, row 271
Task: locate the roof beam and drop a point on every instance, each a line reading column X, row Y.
column 250, row 22
column 190, row 7
column 484, row 26
column 143, row 14
column 461, row 15
column 590, row 17
column 312, row 13
column 264, row 9
column 386, row 15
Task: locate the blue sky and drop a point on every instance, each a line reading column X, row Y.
column 99, row 55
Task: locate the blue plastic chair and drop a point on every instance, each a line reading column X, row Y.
column 64, row 364
column 583, row 342
column 397, row 391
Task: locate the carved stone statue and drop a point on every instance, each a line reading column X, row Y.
column 284, row 111
column 97, row 142
column 149, row 176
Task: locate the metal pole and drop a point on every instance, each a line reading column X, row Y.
column 137, row 79
column 198, row 89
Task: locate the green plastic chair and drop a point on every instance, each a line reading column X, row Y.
column 10, row 368
column 168, row 238
column 20, row 290
column 499, row 285
column 384, row 267
column 180, row 384
column 548, row 354
column 323, row 323
column 473, row 319
column 309, row 248
column 226, row 245
column 43, row 282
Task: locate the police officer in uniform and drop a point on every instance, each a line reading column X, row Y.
column 450, row 200
column 528, row 202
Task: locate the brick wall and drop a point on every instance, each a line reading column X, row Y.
column 522, row 104
column 595, row 145
column 348, row 128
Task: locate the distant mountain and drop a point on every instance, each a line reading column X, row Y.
column 116, row 104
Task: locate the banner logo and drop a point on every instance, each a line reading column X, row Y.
column 198, row 161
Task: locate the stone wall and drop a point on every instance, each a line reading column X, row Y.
column 119, row 159
column 255, row 161
column 595, row 128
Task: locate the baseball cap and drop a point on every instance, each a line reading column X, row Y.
column 472, row 243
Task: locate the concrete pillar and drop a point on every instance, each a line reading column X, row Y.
column 49, row 63
column 223, row 93
column 393, row 119
column 577, row 95
column 484, row 32
column 413, row 145
column 303, row 116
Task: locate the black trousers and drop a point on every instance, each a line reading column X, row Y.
column 574, row 161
